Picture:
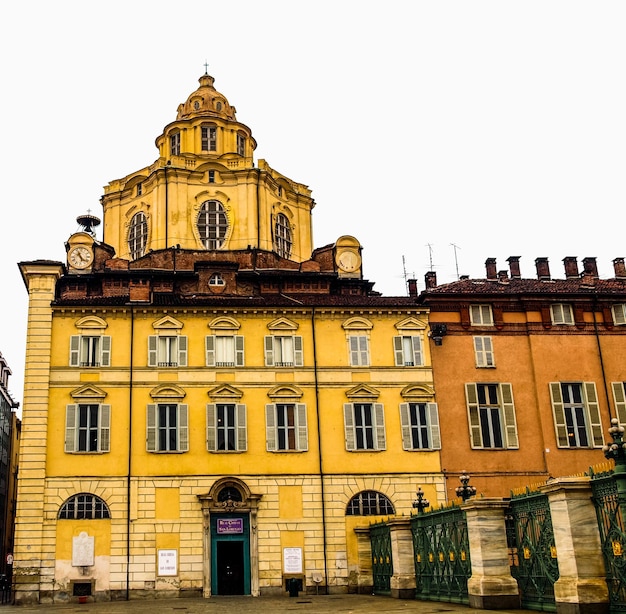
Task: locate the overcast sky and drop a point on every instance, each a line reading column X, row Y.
column 497, row 127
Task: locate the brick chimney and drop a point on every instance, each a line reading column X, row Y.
column 431, row 279
column 412, row 287
column 490, row 265
column 503, row 276
column 571, row 267
column 514, row 267
column 543, row 268
column 619, row 267
column 590, row 267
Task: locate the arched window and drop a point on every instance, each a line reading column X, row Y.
column 212, row 224
column 369, row 503
column 229, row 493
column 138, row 235
column 84, row 506
column 283, row 240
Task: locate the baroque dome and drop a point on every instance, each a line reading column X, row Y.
column 206, row 101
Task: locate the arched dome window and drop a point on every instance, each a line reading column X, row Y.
column 369, row 503
column 212, row 224
column 138, row 235
column 283, row 240
column 84, row 506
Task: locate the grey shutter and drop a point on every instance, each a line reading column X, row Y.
column 379, row 417
column 399, row 354
column 593, row 408
column 479, row 352
column 364, row 351
column 182, row 351
column 559, row 415
column 303, row 437
column 269, row 351
column 270, row 426
column 239, row 355
column 211, row 427
column 151, row 428
column 354, row 350
column 104, row 430
column 153, row 341
column 405, row 424
column 75, row 351
column 418, row 354
column 105, row 351
column 242, row 435
column 433, row 426
column 209, row 344
column 183, row 427
column 348, row 423
column 298, row 354
column 508, row 409
column 70, row 428
column 471, row 395
column 620, row 401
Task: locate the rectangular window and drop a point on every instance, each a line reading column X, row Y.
column 561, row 313
column 175, row 144
column 167, row 428
column 619, row 396
column 358, row 346
column 139, row 189
column 619, row 314
column 286, row 427
column 209, row 138
column 283, row 351
column 241, row 145
column 167, row 351
column 491, row 414
column 224, row 351
column 481, row 315
column 408, row 351
column 420, row 426
column 483, row 351
column 211, row 176
column 87, row 427
column 364, row 425
column 90, row 351
column 576, row 415
column 226, row 427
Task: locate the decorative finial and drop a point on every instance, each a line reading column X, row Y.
column 206, row 68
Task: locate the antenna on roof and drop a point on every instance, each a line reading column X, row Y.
column 456, row 262
column 430, row 255
column 406, row 281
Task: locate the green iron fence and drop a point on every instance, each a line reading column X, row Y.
column 441, row 553
column 612, row 536
column 532, row 551
column 382, row 562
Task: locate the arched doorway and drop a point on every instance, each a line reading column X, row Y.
column 231, row 563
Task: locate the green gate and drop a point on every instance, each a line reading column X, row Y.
column 382, row 563
column 441, row 552
column 532, row 550
column 612, row 536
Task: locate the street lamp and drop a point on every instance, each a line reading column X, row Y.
column 421, row 503
column 465, row 491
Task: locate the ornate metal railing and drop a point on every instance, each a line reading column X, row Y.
column 382, row 563
column 532, row 551
column 441, row 552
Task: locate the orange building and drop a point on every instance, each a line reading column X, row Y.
column 528, row 372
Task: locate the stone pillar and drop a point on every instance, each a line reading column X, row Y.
column 365, row 577
column 581, row 587
column 403, row 579
column 491, row 586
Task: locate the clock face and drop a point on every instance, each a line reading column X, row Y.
column 348, row 261
column 80, row 257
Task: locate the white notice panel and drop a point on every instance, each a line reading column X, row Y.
column 293, row 560
column 167, row 562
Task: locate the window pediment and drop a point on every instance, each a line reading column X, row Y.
column 282, row 325
column 363, row 392
column 225, row 392
column 91, row 323
column 167, row 323
column 88, row 392
column 418, row 393
column 224, row 323
column 167, row 391
column 285, row 392
column 357, row 323
column 410, row 324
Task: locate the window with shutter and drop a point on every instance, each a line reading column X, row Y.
column 491, row 415
column 576, row 415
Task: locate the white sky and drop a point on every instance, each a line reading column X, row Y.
column 496, row 126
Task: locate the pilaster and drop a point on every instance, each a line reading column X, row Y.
column 403, row 579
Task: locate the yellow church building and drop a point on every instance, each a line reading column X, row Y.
column 211, row 404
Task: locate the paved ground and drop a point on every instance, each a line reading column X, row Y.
column 350, row 604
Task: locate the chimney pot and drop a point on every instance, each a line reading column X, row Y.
column 543, row 268
column 590, row 267
column 490, row 265
column 431, row 279
column 619, row 267
column 412, row 287
column 503, row 275
column 571, row 267
column 514, row 267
